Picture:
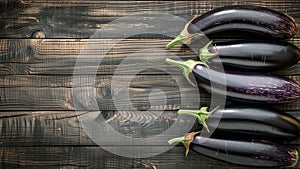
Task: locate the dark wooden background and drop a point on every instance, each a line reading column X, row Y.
column 40, row 41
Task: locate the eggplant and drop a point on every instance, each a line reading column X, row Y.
column 238, row 21
column 241, row 86
column 250, row 55
column 248, row 152
column 248, row 121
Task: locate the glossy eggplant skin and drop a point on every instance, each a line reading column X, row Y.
column 248, row 86
column 244, row 21
column 250, row 152
column 252, row 121
column 237, row 21
column 241, row 86
column 250, row 55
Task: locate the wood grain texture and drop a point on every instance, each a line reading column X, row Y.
column 59, row 93
column 63, row 128
column 79, row 56
column 95, row 157
column 49, row 53
column 54, row 139
column 95, row 56
column 76, row 19
column 140, row 92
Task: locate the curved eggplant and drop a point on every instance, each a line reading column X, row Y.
column 241, row 86
column 249, row 152
column 258, row 122
column 258, row 55
column 239, row 21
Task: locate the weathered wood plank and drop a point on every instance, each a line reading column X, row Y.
column 62, row 128
column 46, row 128
column 141, row 92
column 99, row 81
column 41, row 128
column 56, row 93
column 95, row 157
column 82, row 56
column 60, row 140
column 24, row 18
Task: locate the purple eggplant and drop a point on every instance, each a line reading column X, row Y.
column 241, row 86
column 248, row 152
column 239, row 21
column 250, row 55
column 248, row 121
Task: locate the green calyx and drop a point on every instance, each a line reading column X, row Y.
column 202, row 114
column 184, row 37
column 205, row 54
column 186, row 67
column 185, row 140
column 295, row 155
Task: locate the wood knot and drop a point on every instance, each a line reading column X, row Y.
column 38, row 34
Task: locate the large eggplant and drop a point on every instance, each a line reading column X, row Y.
column 248, row 121
column 239, row 21
column 249, row 152
column 250, row 55
column 241, row 86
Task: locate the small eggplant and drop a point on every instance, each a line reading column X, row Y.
column 248, row 152
column 257, row 122
column 258, row 55
column 241, row 86
column 239, row 21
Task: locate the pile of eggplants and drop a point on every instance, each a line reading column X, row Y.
column 253, row 135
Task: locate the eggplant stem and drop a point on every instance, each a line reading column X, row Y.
column 215, row 109
column 202, row 114
column 185, row 140
column 184, row 37
column 205, row 54
column 174, row 42
column 186, row 67
column 176, row 140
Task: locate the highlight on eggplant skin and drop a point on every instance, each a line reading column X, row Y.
column 246, row 121
column 250, row 55
column 249, row 152
column 241, row 86
column 238, row 21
